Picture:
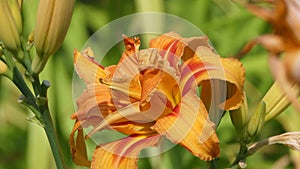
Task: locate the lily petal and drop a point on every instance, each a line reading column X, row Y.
column 181, row 47
column 78, row 148
column 149, row 78
column 205, row 66
column 132, row 45
column 191, row 128
column 87, row 68
column 155, row 79
column 95, row 103
column 132, row 114
column 122, row 154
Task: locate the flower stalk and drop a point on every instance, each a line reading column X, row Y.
column 53, row 139
column 36, row 102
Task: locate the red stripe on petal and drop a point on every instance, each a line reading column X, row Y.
column 122, row 154
column 191, row 128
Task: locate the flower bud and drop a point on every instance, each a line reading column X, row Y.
column 20, row 3
column 9, row 34
column 30, row 38
column 3, row 67
column 276, row 100
column 53, row 20
column 257, row 120
column 15, row 9
column 239, row 118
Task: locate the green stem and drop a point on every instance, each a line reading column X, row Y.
column 211, row 164
column 53, row 139
column 17, row 77
column 241, row 156
column 37, row 85
column 48, row 122
column 22, row 86
column 26, row 61
column 37, row 104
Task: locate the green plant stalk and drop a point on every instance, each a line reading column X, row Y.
column 241, row 156
column 48, row 122
column 41, row 111
column 37, row 86
column 211, row 164
column 44, row 116
column 27, row 60
column 53, row 139
column 18, row 79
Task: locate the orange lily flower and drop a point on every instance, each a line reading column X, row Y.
column 150, row 94
column 284, row 16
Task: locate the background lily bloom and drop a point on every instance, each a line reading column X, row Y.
column 284, row 16
column 152, row 93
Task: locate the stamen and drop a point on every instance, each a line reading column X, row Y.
column 105, row 82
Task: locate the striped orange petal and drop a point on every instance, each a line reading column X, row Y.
column 123, row 153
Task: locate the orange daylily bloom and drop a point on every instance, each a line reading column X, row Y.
column 284, row 16
column 150, row 94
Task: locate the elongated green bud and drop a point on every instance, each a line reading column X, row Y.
column 239, row 119
column 276, row 100
column 53, row 20
column 9, row 34
column 257, row 120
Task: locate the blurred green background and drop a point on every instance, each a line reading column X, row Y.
column 228, row 25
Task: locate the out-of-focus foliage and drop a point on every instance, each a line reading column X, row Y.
column 228, row 25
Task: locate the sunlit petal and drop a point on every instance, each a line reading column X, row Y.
column 206, row 66
column 122, row 154
column 191, row 128
column 87, row 68
column 181, row 47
